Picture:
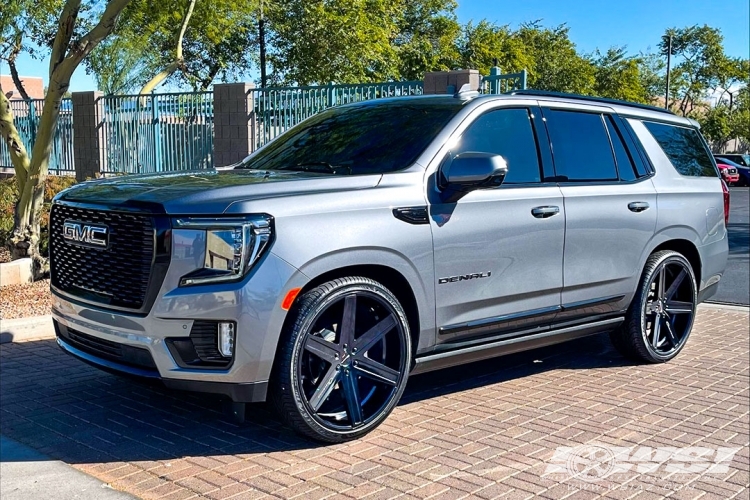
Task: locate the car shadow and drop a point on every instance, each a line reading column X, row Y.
column 72, row 412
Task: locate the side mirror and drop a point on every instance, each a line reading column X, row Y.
column 472, row 170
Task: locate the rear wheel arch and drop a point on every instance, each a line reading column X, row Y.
column 688, row 250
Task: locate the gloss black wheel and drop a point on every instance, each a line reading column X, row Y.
column 662, row 313
column 346, row 364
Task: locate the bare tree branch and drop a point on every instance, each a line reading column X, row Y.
column 179, row 61
column 11, row 60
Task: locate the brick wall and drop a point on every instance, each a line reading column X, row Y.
column 33, row 85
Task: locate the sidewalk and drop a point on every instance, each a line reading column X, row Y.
column 28, row 475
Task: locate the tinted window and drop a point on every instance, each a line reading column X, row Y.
column 506, row 132
column 580, row 146
column 624, row 163
column 685, row 149
column 365, row 139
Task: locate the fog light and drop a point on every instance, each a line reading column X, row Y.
column 226, row 339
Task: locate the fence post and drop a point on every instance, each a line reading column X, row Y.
column 494, row 80
column 89, row 144
column 156, row 133
column 441, row 82
column 524, row 77
column 234, row 122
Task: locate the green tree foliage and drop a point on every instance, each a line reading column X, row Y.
column 556, row 63
column 425, row 40
column 481, row 44
column 698, row 61
column 359, row 41
column 220, row 40
column 28, row 26
column 618, row 76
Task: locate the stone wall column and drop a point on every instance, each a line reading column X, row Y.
column 449, row 82
column 234, row 122
column 89, row 144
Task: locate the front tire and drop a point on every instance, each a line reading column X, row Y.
column 344, row 360
column 660, row 318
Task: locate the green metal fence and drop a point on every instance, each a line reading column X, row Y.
column 277, row 109
column 498, row 83
column 175, row 131
column 157, row 132
column 26, row 117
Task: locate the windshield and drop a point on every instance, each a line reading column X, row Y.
column 365, row 139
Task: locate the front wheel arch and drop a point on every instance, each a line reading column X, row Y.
column 390, row 278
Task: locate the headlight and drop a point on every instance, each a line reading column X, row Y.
column 232, row 246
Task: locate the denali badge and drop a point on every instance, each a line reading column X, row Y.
column 463, row 277
column 85, row 234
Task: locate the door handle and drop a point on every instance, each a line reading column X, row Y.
column 638, row 206
column 544, row 212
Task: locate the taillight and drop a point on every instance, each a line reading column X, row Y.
column 726, row 202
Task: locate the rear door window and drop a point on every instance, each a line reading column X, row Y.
column 685, row 148
column 580, row 146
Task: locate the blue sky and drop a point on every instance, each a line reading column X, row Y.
column 637, row 24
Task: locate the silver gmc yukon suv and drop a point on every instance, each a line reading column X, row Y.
column 392, row 237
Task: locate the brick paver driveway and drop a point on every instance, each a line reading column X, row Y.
column 487, row 430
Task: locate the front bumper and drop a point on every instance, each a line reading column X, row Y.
column 254, row 304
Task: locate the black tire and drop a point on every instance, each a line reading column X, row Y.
column 660, row 317
column 343, row 360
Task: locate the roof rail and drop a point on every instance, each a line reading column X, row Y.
column 603, row 100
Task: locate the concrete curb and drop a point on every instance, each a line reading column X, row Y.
column 26, row 329
column 726, row 307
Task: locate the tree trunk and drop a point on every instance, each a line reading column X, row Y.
column 31, row 174
column 24, row 240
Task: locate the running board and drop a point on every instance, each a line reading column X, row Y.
column 460, row 356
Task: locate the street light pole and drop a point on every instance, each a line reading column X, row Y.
column 262, row 43
column 669, row 60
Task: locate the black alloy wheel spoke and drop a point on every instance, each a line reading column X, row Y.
column 351, row 394
column 374, row 334
column 348, row 320
column 678, row 307
column 376, row 371
column 662, row 278
column 325, row 350
column 670, row 334
column 657, row 330
column 324, row 388
column 675, row 285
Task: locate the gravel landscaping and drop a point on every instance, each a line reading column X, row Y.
column 25, row 300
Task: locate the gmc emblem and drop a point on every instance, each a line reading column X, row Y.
column 85, row 234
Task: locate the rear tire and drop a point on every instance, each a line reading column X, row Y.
column 660, row 318
column 343, row 360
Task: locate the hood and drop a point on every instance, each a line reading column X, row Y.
column 208, row 191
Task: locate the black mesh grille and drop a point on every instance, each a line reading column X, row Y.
column 117, row 275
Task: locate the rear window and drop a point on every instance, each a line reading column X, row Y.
column 685, row 148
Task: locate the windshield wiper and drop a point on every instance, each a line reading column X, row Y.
column 319, row 166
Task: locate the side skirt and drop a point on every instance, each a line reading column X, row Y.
column 473, row 353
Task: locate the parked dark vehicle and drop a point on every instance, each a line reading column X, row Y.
column 742, row 172
column 740, row 159
column 393, row 237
